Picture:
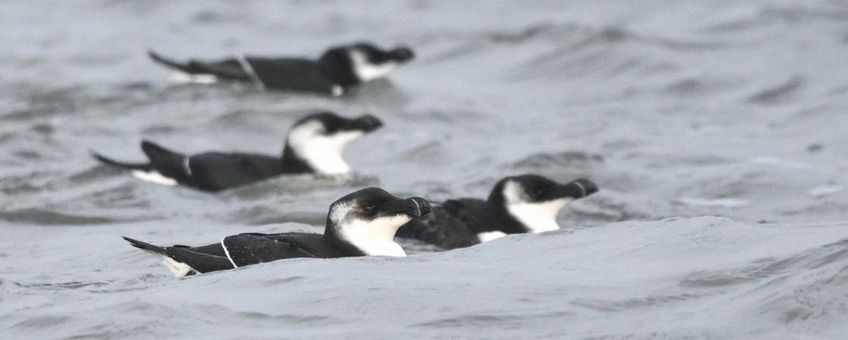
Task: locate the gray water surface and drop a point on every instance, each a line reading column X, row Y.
column 716, row 130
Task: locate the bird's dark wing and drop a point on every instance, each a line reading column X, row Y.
column 203, row 259
column 453, row 224
column 229, row 69
column 252, row 248
column 470, row 211
column 291, row 74
column 215, row 171
column 166, row 162
column 123, row 165
column 199, row 260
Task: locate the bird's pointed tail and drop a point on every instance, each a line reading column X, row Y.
column 170, row 63
column 146, row 246
column 118, row 164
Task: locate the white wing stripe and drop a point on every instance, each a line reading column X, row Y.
column 227, row 252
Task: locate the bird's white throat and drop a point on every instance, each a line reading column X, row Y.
column 536, row 216
column 322, row 152
column 373, row 237
column 367, row 71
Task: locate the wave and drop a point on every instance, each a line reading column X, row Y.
column 679, row 277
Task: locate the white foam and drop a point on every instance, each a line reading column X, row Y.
column 154, row 177
column 182, row 77
column 774, row 161
column 825, row 190
column 714, row 203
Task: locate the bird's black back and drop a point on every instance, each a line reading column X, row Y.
column 166, row 162
column 292, row 164
column 291, row 74
column 453, row 224
column 215, row 171
column 253, row 248
column 247, row 249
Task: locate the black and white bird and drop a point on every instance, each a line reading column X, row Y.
column 314, row 145
column 362, row 223
column 517, row 204
column 337, row 70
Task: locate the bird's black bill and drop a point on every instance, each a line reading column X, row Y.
column 422, row 207
column 414, row 207
column 367, row 123
column 402, row 54
column 578, row 189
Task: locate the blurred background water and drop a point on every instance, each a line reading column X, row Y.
column 676, row 109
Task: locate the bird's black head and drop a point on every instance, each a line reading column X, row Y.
column 374, row 203
column 534, row 200
column 377, row 56
column 328, row 123
column 529, row 188
column 369, row 218
column 318, row 140
column 362, row 62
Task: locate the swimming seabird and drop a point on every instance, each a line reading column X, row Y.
column 337, row 70
column 517, row 204
column 362, row 223
column 314, row 146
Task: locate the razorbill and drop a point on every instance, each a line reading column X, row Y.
column 314, row 146
column 517, row 204
column 337, row 70
column 362, row 223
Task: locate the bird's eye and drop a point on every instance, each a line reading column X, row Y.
column 541, row 193
column 371, row 208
